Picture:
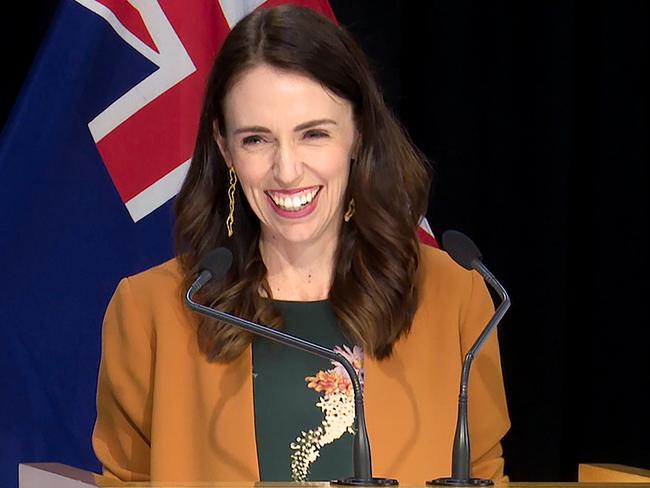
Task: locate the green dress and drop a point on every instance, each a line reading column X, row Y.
column 304, row 405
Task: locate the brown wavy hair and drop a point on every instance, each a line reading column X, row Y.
column 374, row 292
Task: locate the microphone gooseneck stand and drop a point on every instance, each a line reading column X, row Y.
column 214, row 266
column 465, row 253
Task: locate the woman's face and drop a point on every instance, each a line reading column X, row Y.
column 290, row 142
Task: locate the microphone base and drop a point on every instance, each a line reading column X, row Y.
column 365, row 482
column 460, row 482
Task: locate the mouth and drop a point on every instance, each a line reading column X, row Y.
column 294, row 201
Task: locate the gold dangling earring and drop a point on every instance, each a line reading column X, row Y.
column 348, row 215
column 231, row 200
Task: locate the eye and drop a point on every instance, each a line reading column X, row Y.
column 315, row 134
column 252, row 140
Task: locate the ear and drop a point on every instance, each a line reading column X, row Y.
column 222, row 143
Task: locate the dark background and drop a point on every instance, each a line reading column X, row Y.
column 536, row 116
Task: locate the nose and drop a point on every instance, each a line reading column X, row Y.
column 287, row 165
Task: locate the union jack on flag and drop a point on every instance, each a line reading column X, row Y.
column 98, row 144
column 145, row 137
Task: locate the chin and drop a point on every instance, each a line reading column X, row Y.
column 305, row 233
column 299, row 237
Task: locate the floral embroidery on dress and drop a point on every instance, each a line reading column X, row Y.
column 337, row 404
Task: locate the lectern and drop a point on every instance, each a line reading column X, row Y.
column 51, row 475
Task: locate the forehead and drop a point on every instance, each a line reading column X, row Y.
column 264, row 95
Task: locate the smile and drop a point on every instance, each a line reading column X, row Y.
column 293, row 201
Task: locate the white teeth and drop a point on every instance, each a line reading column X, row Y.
column 296, row 202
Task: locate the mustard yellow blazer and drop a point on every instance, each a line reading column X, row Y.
column 165, row 414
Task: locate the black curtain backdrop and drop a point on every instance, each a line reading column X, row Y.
column 536, row 116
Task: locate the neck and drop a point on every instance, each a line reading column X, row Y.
column 298, row 272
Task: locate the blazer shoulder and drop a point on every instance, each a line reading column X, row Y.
column 163, row 277
column 156, row 287
column 439, row 271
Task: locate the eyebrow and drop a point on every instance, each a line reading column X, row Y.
column 303, row 126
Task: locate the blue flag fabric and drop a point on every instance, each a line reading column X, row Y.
column 66, row 239
column 90, row 159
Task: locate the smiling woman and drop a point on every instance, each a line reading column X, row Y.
column 292, row 107
column 302, row 171
column 290, row 141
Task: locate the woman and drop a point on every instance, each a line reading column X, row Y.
column 300, row 169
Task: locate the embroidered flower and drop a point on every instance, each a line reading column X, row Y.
column 355, row 356
column 339, row 416
column 329, row 382
column 337, row 404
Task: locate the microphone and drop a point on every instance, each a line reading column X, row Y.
column 464, row 252
column 215, row 265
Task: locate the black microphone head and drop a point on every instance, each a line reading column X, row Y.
column 460, row 248
column 217, row 262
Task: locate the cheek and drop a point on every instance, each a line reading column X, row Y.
column 332, row 161
column 250, row 180
column 251, row 170
column 336, row 169
column 250, row 184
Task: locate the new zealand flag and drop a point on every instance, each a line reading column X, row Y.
column 97, row 147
